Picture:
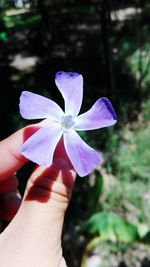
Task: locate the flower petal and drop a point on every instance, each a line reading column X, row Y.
column 70, row 85
column 100, row 115
column 40, row 147
column 83, row 158
column 34, row 106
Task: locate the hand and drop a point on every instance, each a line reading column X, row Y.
column 33, row 237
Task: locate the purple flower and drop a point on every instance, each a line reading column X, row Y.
column 40, row 147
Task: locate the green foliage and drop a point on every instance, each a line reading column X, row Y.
column 11, row 22
column 146, row 110
column 3, row 36
column 111, row 227
column 133, row 157
column 142, row 230
column 139, row 64
column 95, row 191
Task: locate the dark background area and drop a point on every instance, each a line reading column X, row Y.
column 108, row 42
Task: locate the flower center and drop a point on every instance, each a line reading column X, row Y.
column 67, row 122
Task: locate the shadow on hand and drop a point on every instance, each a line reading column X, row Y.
column 61, row 171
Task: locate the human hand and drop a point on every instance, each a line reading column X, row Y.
column 33, row 237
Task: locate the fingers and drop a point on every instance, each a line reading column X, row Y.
column 51, row 185
column 63, row 263
column 8, row 185
column 10, row 157
column 9, row 198
column 39, row 220
column 9, row 205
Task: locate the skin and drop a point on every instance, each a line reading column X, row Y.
column 33, row 237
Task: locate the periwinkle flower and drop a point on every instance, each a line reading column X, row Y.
column 40, row 147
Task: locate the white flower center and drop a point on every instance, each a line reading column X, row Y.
column 67, row 122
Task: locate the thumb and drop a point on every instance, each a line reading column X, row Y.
column 34, row 235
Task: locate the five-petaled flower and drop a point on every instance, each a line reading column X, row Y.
column 40, row 147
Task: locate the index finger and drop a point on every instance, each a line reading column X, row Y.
column 11, row 159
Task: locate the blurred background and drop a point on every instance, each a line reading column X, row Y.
column 108, row 42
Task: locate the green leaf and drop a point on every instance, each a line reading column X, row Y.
column 3, row 36
column 111, row 227
column 143, row 230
